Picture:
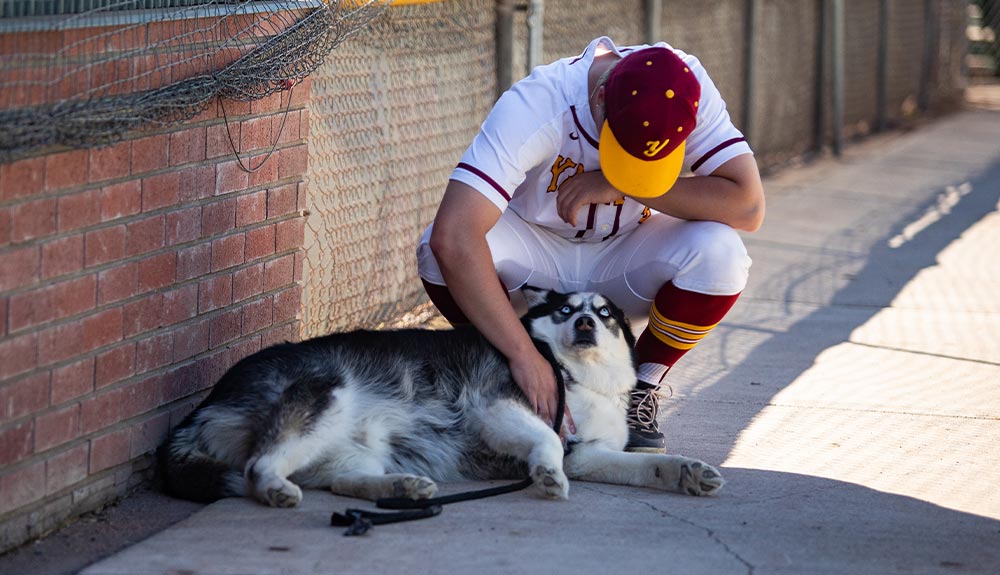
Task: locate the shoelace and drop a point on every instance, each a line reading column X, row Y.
column 646, row 406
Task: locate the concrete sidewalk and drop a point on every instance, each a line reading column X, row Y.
column 852, row 399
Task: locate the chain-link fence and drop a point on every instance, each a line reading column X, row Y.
column 983, row 34
column 393, row 111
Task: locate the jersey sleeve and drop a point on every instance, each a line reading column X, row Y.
column 516, row 137
column 715, row 140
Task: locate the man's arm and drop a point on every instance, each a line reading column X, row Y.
column 733, row 195
column 458, row 242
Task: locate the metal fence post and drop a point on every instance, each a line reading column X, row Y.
column 927, row 71
column 819, row 120
column 838, row 76
column 505, row 45
column 654, row 14
column 882, row 89
column 749, row 65
column 536, row 17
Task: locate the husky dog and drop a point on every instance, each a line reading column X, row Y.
column 374, row 414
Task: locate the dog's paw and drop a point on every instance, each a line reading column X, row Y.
column 413, row 487
column 699, row 478
column 550, row 481
column 278, row 492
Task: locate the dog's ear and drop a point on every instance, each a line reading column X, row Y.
column 534, row 295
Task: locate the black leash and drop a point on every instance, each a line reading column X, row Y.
column 360, row 521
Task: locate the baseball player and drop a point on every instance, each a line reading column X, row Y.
column 572, row 184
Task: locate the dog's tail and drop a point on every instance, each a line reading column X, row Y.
column 189, row 474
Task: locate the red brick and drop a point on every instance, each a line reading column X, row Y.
column 56, row 428
column 32, row 220
column 266, row 104
column 66, row 169
column 153, row 352
column 281, row 201
column 260, row 242
column 244, row 348
column 196, row 182
column 257, row 315
column 215, row 293
column 217, row 140
column 187, row 146
column 183, row 226
column 279, row 273
column 144, row 235
column 142, row 315
column 218, row 217
column 228, row 251
column 3, row 317
column 120, row 200
column 285, row 127
column 159, row 191
column 157, row 272
column 62, row 256
column 280, row 334
column 22, row 486
column 100, row 412
column 15, row 443
column 180, row 304
column 194, row 261
column 287, row 304
column 109, row 450
column 103, row 328
column 265, row 169
column 248, row 282
column 149, row 434
column 191, row 340
column 251, row 208
column 110, row 163
column 79, row 210
column 103, row 246
column 67, row 468
column 53, row 302
column 25, row 396
column 21, row 179
column 289, row 234
column 225, row 327
column 5, row 226
column 142, row 396
column 293, row 162
column 255, row 134
column 230, row 177
column 60, row 343
column 149, row 153
column 72, row 381
column 304, row 124
column 114, row 365
column 20, row 268
column 117, row 283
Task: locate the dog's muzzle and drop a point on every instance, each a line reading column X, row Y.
column 584, row 332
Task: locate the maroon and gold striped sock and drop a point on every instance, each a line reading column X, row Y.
column 678, row 320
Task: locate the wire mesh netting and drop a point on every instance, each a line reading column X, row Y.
column 392, row 110
column 89, row 77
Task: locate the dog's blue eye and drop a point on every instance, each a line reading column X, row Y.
column 565, row 310
column 604, row 312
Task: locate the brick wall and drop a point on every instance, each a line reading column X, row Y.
column 131, row 278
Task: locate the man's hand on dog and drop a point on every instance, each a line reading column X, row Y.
column 534, row 376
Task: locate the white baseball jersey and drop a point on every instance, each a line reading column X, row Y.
column 540, row 133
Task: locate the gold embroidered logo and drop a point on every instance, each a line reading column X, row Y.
column 558, row 167
column 654, row 147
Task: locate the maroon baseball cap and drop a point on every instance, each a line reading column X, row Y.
column 651, row 102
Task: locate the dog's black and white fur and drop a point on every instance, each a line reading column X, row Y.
column 375, row 414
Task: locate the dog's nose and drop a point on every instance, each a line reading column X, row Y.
column 584, row 323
